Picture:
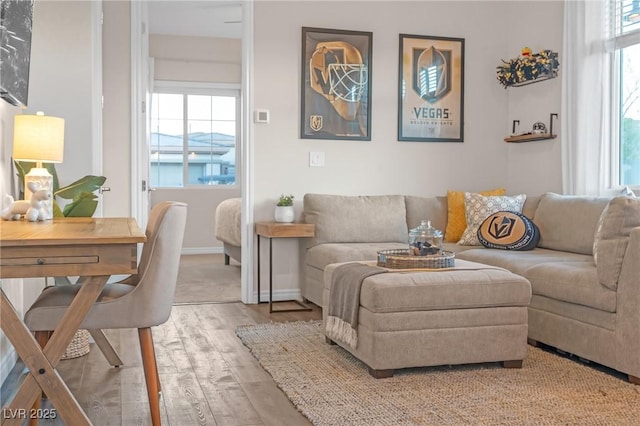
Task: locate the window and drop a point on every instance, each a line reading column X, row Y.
column 193, row 137
column 630, row 116
column 625, row 38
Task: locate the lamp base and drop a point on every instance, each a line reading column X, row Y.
column 42, row 178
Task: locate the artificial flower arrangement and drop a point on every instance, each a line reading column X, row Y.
column 527, row 67
column 285, row 200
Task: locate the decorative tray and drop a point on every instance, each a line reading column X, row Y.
column 403, row 259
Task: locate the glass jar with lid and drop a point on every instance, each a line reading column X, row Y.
column 425, row 239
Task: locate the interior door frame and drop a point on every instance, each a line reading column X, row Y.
column 139, row 93
column 139, row 145
column 247, row 188
column 96, row 96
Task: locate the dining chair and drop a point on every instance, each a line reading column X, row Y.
column 142, row 301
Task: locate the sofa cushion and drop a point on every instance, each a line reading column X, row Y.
column 456, row 219
column 508, row 231
column 568, row 222
column 426, row 208
column 423, row 291
column 621, row 215
column 484, row 287
column 520, row 261
column 356, row 219
column 531, row 205
column 573, row 282
column 478, row 208
column 577, row 314
column 324, row 254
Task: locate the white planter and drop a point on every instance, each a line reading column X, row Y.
column 284, row 214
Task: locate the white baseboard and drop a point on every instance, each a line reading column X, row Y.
column 7, row 362
column 283, row 294
column 201, row 250
column 286, row 294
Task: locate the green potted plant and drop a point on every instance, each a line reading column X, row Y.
column 83, row 202
column 284, row 209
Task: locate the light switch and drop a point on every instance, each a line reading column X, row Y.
column 316, row 159
column 262, row 116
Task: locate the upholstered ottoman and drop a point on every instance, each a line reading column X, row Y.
column 472, row 313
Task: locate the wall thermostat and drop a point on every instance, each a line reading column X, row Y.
column 262, row 116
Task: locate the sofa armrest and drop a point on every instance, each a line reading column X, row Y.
column 628, row 309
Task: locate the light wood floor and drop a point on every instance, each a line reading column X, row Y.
column 207, row 375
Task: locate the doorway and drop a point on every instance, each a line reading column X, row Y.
column 179, row 57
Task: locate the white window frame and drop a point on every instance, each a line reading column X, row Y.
column 208, row 89
column 614, row 45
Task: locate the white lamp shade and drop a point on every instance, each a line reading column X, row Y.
column 38, row 138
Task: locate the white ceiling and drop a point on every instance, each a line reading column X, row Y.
column 196, row 18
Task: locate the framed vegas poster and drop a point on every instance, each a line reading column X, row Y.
column 336, row 84
column 431, row 89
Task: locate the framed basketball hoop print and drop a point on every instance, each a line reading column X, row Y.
column 336, row 84
column 431, row 89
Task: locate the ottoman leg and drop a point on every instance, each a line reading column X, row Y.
column 512, row 364
column 380, row 374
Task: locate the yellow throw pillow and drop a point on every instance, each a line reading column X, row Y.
column 456, row 219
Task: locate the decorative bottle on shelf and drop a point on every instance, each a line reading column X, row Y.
column 425, row 239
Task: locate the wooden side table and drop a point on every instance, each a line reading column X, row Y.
column 273, row 230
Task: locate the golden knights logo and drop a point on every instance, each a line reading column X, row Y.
column 431, row 73
column 315, row 122
column 501, row 227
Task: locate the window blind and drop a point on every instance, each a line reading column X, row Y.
column 622, row 21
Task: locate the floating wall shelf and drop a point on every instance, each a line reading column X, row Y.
column 531, row 137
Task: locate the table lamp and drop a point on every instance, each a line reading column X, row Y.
column 38, row 138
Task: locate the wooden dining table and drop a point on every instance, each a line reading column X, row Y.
column 91, row 248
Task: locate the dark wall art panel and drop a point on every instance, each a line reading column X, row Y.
column 16, row 22
column 336, row 84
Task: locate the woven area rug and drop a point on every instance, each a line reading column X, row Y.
column 331, row 387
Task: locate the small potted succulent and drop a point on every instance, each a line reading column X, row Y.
column 284, row 209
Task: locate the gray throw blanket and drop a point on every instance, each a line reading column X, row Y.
column 344, row 301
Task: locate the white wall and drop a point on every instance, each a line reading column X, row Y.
column 203, row 59
column 199, row 235
column 492, row 31
column 62, row 36
column 116, row 115
column 385, row 165
column 534, row 167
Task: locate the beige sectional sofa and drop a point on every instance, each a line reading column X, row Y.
column 587, row 308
